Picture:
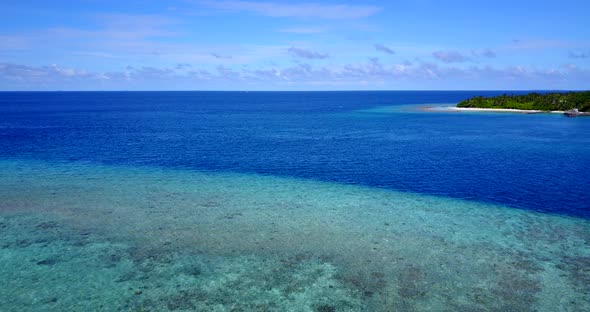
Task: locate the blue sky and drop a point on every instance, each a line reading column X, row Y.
column 289, row 45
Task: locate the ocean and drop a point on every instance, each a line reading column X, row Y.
column 289, row 201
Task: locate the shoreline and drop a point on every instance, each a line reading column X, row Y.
column 476, row 109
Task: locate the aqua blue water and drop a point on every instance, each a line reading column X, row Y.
column 280, row 201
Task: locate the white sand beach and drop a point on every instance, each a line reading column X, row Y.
column 501, row 110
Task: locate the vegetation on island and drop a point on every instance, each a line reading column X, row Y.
column 533, row 101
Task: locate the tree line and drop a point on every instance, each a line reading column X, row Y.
column 533, row 101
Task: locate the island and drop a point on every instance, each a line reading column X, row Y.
column 569, row 103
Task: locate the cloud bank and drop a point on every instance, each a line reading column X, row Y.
column 372, row 73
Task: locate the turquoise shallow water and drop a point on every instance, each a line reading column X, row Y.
column 81, row 236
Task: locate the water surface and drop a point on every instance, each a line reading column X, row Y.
column 352, row 201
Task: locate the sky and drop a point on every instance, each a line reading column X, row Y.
column 294, row 45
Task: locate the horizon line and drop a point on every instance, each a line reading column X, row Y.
column 352, row 90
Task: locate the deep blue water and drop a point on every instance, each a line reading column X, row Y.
column 539, row 162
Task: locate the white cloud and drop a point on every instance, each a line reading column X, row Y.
column 489, row 53
column 383, row 48
column 308, row 54
column 453, row 56
column 10, row 71
column 221, row 56
column 450, row 56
